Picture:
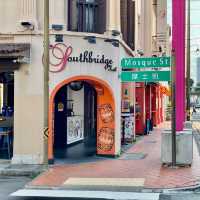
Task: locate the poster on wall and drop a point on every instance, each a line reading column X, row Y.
column 129, row 127
column 74, row 129
column 106, row 132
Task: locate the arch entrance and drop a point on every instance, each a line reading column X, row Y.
column 81, row 121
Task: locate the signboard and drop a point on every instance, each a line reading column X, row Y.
column 146, row 76
column 153, row 62
column 128, row 127
column 61, row 54
column 74, row 129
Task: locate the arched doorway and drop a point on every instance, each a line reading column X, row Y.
column 98, row 117
column 75, row 121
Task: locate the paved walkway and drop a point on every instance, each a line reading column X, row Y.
column 139, row 166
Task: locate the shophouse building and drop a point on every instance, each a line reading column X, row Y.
column 88, row 39
column 153, row 41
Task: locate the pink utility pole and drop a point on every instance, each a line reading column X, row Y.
column 178, row 45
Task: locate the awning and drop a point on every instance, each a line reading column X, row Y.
column 15, row 50
column 12, row 55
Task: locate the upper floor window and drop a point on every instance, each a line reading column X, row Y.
column 127, row 11
column 87, row 16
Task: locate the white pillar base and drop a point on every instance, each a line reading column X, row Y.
column 27, row 159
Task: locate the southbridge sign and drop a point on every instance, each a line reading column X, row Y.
column 61, row 54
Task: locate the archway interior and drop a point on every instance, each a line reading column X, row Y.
column 75, row 121
column 93, row 107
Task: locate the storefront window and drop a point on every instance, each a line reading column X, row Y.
column 87, row 16
column 6, row 114
column 127, row 11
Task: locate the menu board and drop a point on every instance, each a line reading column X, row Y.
column 129, row 127
column 75, row 127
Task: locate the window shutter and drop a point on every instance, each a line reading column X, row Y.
column 81, row 16
column 72, row 15
column 131, row 24
column 69, row 15
column 100, row 25
column 87, row 16
column 123, row 10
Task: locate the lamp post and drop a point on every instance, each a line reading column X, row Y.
column 46, row 79
column 188, row 61
column 173, row 113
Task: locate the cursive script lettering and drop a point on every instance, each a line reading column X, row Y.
column 88, row 57
column 61, row 54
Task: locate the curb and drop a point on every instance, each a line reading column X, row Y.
column 21, row 170
column 15, row 172
column 184, row 189
column 121, row 189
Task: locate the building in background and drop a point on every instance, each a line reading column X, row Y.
column 152, row 41
column 195, row 39
column 198, row 70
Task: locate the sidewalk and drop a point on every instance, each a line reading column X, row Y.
column 139, row 167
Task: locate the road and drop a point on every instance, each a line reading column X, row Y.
column 180, row 196
column 9, row 185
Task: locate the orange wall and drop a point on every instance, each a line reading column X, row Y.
column 105, row 115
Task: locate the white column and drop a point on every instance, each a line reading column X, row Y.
column 146, row 23
column 113, row 21
column 138, row 31
column 58, row 10
column 27, row 10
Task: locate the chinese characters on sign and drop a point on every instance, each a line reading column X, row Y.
column 145, row 76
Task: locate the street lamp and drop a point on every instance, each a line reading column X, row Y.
column 46, row 79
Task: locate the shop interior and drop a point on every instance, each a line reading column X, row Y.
column 6, row 114
column 75, row 121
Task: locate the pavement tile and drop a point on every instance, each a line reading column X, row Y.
column 148, row 168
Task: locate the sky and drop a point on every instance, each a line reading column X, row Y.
column 195, row 32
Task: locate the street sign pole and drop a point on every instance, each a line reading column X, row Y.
column 154, row 76
column 173, row 113
column 46, row 79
